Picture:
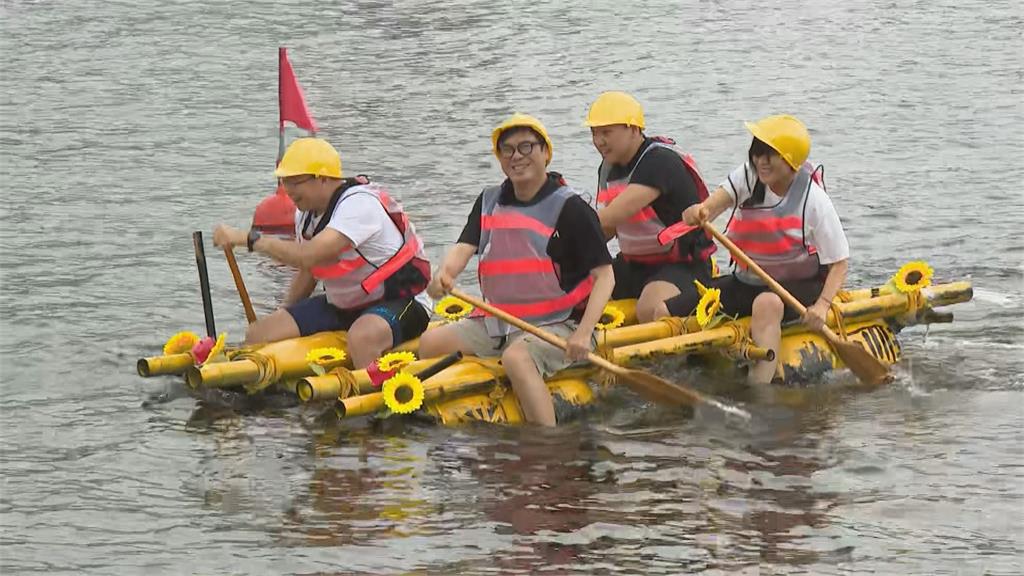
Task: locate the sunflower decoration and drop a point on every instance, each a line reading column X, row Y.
column 403, row 393
column 320, row 359
column 180, row 343
column 451, row 308
column 707, row 307
column 395, row 361
column 913, row 276
column 611, row 317
column 217, row 352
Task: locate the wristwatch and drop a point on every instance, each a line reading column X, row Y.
column 254, row 235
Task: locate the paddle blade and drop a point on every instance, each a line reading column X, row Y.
column 658, row 390
column 867, row 368
column 661, row 391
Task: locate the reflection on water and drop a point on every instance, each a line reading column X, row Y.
column 124, row 127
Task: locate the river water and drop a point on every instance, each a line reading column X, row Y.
column 127, row 125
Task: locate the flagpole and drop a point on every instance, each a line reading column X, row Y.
column 281, row 55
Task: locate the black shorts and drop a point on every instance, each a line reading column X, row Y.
column 407, row 317
column 631, row 277
column 738, row 297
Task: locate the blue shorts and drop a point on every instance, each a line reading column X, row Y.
column 407, row 317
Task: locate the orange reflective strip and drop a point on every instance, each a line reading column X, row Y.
column 339, row 269
column 677, row 230
column 780, row 246
column 762, row 225
column 520, row 266
column 513, row 221
column 611, row 193
column 401, row 258
column 565, row 302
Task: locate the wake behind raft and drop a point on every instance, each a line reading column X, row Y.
column 454, row 390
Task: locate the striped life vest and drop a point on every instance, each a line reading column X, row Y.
column 775, row 236
column 644, row 237
column 354, row 282
column 516, row 274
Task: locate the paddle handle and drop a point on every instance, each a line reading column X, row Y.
column 204, row 282
column 775, row 286
column 250, row 314
column 530, row 328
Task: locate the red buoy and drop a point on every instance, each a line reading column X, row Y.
column 275, row 214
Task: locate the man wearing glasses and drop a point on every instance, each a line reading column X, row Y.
column 352, row 236
column 643, row 182
column 542, row 257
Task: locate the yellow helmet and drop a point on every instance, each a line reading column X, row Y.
column 615, row 108
column 313, row 156
column 522, row 120
column 787, row 135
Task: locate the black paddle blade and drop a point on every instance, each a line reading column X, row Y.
column 661, row 391
column 658, row 390
column 868, row 369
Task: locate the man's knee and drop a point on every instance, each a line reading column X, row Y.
column 371, row 331
column 768, row 306
column 517, row 357
column 660, row 311
column 278, row 326
column 436, row 342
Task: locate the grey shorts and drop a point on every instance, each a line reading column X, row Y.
column 549, row 359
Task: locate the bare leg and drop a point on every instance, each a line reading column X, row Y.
column 442, row 340
column 277, row 326
column 652, row 297
column 766, row 331
column 530, row 388
column 368, row 338
column 661, row 311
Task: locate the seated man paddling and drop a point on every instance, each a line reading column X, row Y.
column 542, row 258
column 644, row 185
column 355, row 238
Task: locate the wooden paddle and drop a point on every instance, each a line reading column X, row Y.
column 645, row 384
column 867, row 368
column 250, row 314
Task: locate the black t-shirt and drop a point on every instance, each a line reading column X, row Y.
column 577, row 245
column 663, row 170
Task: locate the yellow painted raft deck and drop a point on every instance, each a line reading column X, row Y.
column 475, row 389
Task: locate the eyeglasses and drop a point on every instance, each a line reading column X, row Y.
column 524, row 148
column 293, row 183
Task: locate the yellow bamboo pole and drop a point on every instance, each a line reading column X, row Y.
column 223, row 374
column 163, row 365
column 460, row 378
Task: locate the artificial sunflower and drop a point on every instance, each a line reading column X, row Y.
column 403, row 393
column 325, row 356
column 451, row 308
column 180, row 343
column 218, row 348
column 395, row 361
column 913, row 276
column 611, row 317
column 707, row 308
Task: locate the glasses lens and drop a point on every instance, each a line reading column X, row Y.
column 524, row 149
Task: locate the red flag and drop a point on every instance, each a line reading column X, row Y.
column 291, row 102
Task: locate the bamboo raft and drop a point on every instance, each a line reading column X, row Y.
column 476, row 389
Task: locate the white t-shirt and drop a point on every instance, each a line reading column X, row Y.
column 822, row 227
column 362, row 219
